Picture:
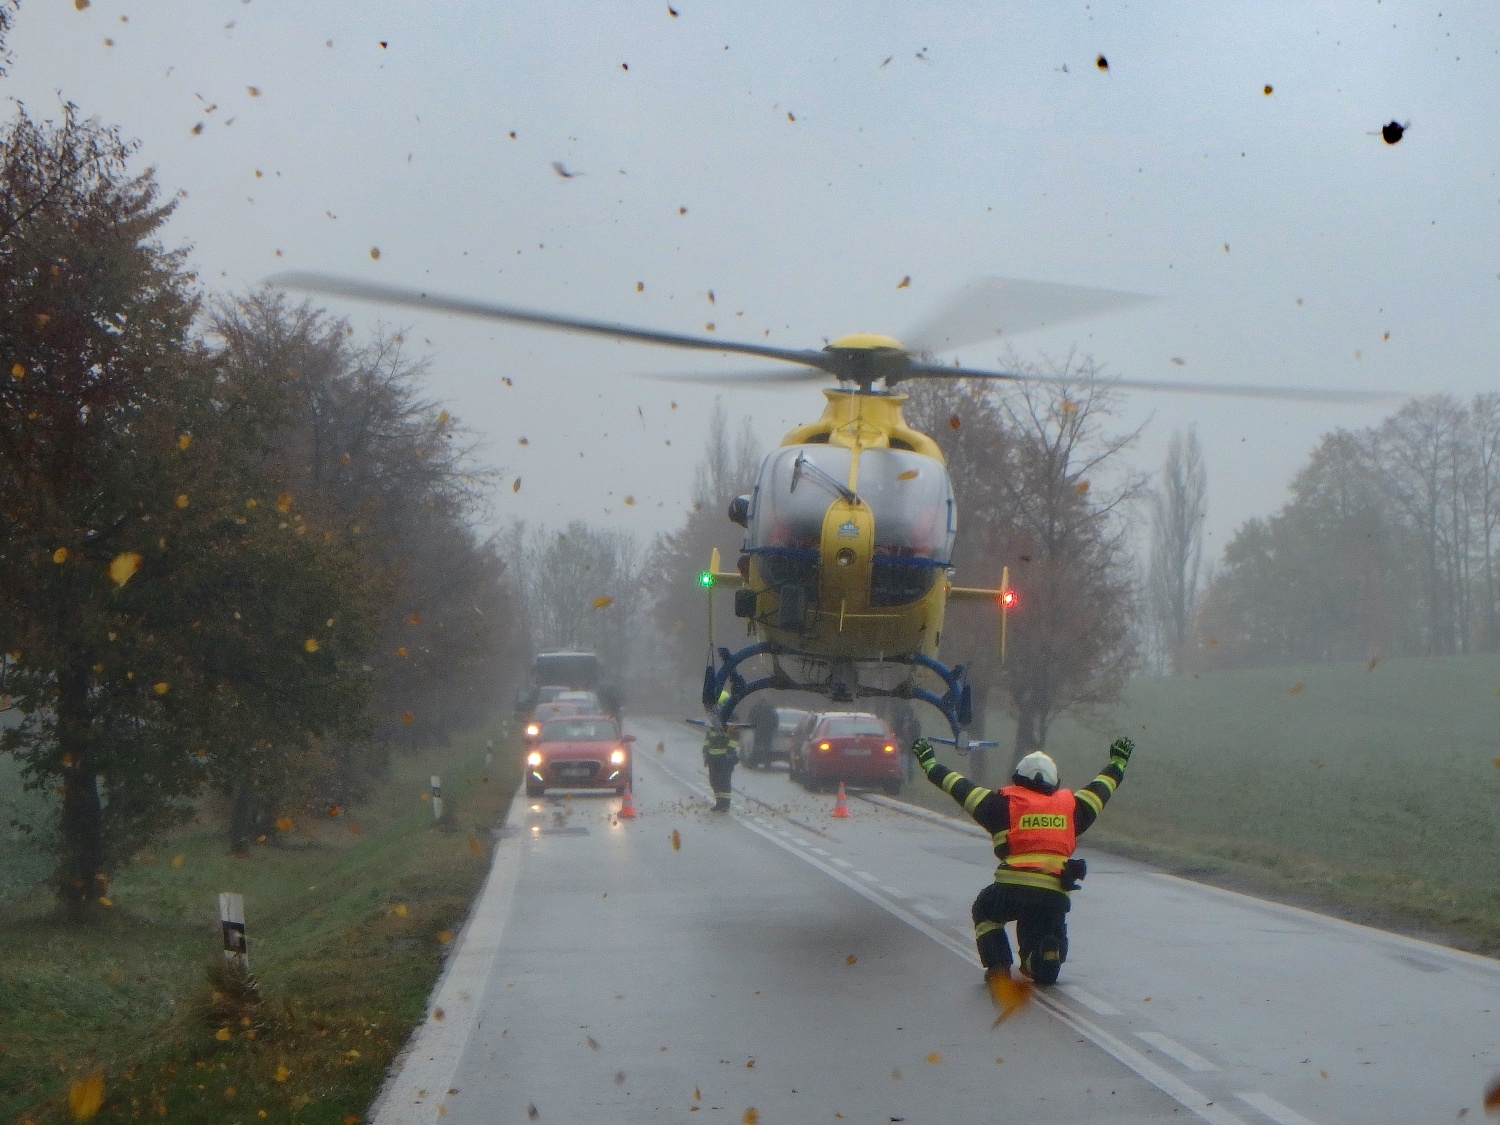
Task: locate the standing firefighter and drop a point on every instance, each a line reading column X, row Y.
column 1035, row 826
column 721, row 753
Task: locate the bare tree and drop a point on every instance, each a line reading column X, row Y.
column 1178, row 509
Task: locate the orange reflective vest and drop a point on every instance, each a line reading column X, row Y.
column 1042, row 833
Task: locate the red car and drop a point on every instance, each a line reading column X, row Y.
column 847, row 746
column 579, row 752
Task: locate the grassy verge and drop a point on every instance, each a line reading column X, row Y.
column 348, row 921
column 1370, row 792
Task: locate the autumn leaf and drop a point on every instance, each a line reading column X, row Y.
column 406, row 718
column 1296, row 689
column 904, row 283
column 676, row 841
column 445, row 936
column 1010, row 995
column 475, row 846
column 184, row 440
column 283, row 824
column 401, row 651
column 1267, row 89
column 414, row 619
column 399, row 910
column 284, row 502
column 751, row 1116
column 182, row 500
column 17, row 371
column 86, row 1094
column 602, row 601
column 161, row 687
column 953, row 421
column 334, row 810
column 282, row 1073
column 311, row 644
column 375, row 253
column 849, row 960
column 104, row 901
column 661, row 747
column 1373, row 664
column 438, row 1013
column 934, row 1057
column 1492, row 1096
column 516, row 486
column 177, row 861
column 629, row 501
column 222, row 1035
column 1082, row 487
column 60, row 556
column 1102, row 63
column 123, row 566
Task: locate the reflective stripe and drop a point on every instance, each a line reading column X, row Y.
column 1109, row 782
column 1091, row 800
column 1028, row 879
column 1037, row 861
column 982, row 928
column 1000, row 837
column 974, row 798
column 950, row 781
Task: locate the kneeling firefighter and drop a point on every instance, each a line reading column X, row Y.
column 721, row 753
column 1035, row 826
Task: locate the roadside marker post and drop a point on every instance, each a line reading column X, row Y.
column 232, row 926
column 437, row 797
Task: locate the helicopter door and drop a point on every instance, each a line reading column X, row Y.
column 786, row 523
column 912, row 500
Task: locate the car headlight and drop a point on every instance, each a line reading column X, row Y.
column 533, row 759
column 532, row 730
column 617, row 758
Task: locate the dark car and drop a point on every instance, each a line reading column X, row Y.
column 850, row 746
column 579, row 752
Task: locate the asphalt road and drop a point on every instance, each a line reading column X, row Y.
column 814, row 969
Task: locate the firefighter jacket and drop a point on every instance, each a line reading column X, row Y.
column 1033, row 832
column 720, row 745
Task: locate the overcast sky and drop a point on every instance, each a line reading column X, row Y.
column 799, row 160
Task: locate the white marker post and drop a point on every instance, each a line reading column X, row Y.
column 232, row 925
column 437, row 797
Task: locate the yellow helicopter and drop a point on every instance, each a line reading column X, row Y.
column 845, row 572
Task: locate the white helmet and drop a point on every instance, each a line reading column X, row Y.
column 1039, row 768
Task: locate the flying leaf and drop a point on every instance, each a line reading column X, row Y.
column 603, row 600
column 284, row 823
column 123, row 566
column 1010, row 995
column 86, row 1094
column 311, row 644
column 904, row 283
column 676, row 841
column 60, row 556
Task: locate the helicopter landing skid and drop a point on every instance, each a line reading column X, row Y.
column 724, row 688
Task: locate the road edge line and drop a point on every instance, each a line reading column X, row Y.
column 431, row 1055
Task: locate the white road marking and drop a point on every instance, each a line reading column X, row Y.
column 930, row 912
column 432, row 1055
column 1281, row 1114
column 867, row 877
column 1190, row 1098
column 1169, row 1046
column 843, row 863
column 820, row 851
column 892, row 891
column 1089, row 1000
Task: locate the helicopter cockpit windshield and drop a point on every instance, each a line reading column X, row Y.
column 908, row 494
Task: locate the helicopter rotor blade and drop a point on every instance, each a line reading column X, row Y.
column 419, row 299
column 768, row 376
column 994, row 306
column 1232, row 390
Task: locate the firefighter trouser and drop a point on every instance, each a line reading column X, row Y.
column 1036, row 912
column 720, row 770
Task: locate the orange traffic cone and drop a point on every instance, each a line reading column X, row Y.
column 627, row 807
column 840, row 804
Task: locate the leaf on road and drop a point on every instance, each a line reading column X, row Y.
column 1492, row 1095
column 1373, row 664
column 603, row 600
column 406, row 718
column 751, row 1116
column 851, row 959
column 661, row 747
column 182, row 500
column 445, row 937
column 86, row 1094
column 282, row 1073
column 476, row 847
column 414, row 619
column 592, row 1042
column 222, row 1035
column 123, row 566
column 283, row 824
column 399, row 910
column 953, row 421
column 516, row 486
column 438, row 1013
column 934, row 1057
column 676, row 841
column 161, row 687
column 1296, row 689
column 311, row 644
column 904, row 283
column 176, row 861
column 184, row 440
column 60, row 555
column 284, row 502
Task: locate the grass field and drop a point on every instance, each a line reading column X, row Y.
column 1373, row 791
column 348, row 921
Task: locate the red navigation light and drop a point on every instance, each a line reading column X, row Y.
column 1008, row 599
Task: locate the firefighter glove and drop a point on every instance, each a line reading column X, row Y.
column 1120, row 750
column 924, row 752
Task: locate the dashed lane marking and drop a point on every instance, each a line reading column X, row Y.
column 1089, row 1000
column 1170, row 1047
column 867, row 877
column 892, row 891
column 930, row 912
column 1281, row 1114
column 844, row 863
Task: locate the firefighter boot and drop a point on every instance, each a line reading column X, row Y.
column 721, row 804
column 1044, row 963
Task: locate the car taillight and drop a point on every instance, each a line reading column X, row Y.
column 890, row 749
column 825, row 746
